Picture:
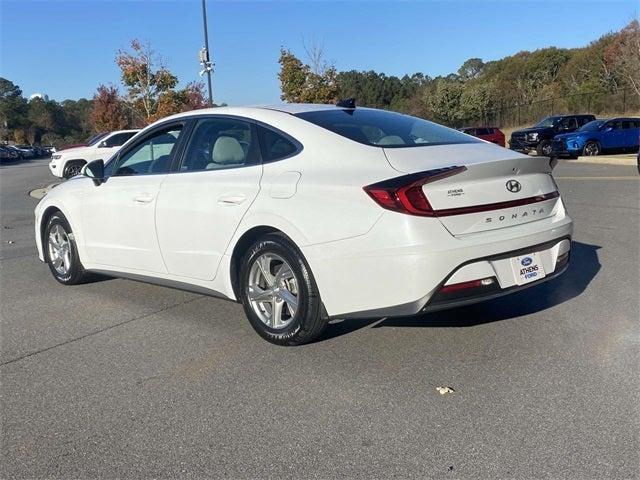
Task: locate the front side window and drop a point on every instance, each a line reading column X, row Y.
column 615, row 125
column 381, row 128
column 153, row 155
column 218, row 143
column 274, row 145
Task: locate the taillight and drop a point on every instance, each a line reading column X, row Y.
column 404, row 194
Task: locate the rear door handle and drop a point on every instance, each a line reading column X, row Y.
column 231, row 199
column 143, row 198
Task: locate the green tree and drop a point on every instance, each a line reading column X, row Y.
column 444, row 102
column 13, row 107
column 145, row 76
column 300, row 84
column 471, row 69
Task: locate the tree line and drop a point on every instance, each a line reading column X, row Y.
column 471, row 95
column 150, row 93
column 610, row 64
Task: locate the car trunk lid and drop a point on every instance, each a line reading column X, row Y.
column 497, row 188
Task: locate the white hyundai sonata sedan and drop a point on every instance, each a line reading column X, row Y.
column 304, row 213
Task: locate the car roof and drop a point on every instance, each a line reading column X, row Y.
column 292, row 108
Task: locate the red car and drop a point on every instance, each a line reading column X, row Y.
column 490, row 134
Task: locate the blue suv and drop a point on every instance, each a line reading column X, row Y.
column 594, row 138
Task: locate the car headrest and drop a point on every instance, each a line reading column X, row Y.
column 227, row 151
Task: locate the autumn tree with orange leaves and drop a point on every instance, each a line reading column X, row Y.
column 109, row 111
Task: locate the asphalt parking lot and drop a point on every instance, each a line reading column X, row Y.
column 118, row 379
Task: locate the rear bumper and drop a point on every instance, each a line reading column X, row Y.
column 398, row 267
column 555, row 253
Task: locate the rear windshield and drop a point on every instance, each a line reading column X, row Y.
column 380, row 128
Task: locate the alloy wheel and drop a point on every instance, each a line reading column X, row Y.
column 73, row 170
column 591, row 149
column 59, row 249
column 272, row 290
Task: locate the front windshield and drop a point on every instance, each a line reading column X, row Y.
column 93, row 140
column 591, row 126
column 547, row 122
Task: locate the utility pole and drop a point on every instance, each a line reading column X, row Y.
column 204, row 54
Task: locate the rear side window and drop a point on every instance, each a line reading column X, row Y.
column 380, row 128
column 218, row 143
column 274, row 145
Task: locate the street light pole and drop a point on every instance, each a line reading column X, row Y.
column 204, row 55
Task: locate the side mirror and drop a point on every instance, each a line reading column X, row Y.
column 607, row 128
column 102, row 144
column 95, row 171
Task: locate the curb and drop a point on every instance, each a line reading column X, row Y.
column 630, row 160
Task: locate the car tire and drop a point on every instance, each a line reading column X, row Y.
column 591, row 149
column 544, row 148
column 279, row 294
column 73, row 168
column 61, row 251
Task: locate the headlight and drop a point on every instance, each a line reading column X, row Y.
column 532, row 137
column 55, row 157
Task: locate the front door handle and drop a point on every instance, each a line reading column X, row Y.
column 231, row 199
column 143, row 198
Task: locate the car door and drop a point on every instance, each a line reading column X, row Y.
column 629, row 134
column 200, row 206
column 613, row 135
column 118, row 216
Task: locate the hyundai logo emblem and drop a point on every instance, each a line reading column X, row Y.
column 526, row 261
column 514, row 186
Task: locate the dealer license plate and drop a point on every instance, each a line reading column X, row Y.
column 527, row 268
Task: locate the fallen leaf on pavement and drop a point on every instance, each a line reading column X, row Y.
column 444, row 390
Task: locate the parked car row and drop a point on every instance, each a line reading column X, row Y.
column 14, row 152
column 573, row 135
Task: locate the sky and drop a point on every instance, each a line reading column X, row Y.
column 65, row 49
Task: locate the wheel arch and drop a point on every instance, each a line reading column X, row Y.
column 244, row 242
column 48, row 211
column 66, row 163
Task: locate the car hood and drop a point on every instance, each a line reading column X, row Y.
column 534, row 130
column 565, row 136
column 73, row 150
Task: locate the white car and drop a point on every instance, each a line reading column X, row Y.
column 305, row 213
column 68, row 163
